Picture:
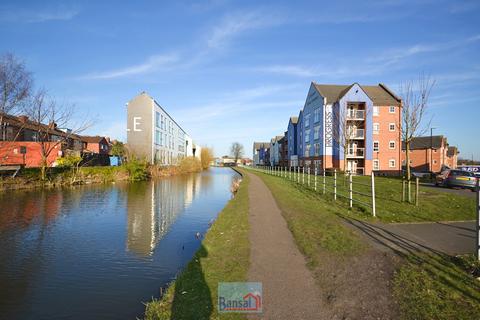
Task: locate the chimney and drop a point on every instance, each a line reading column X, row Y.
column 23, row 118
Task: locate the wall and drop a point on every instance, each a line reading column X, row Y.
column 384, row 136
column 139, row 126
column 10, row 153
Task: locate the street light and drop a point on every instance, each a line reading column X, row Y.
column 431, row 148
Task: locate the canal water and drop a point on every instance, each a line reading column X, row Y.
column 98, row 252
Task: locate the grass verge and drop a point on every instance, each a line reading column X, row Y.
column 434, row 205
column 314, row 224
column 223, row 256
column 438, row 287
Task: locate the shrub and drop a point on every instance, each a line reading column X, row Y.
column 190, row 164
column 137, row 169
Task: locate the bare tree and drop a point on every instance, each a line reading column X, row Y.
column 15, row 83
column 15, row 88
column 415, row 95
column 236, row 151
column 54, row 127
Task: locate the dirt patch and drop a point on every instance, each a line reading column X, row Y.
column 359, row 287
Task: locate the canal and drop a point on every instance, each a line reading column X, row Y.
column 98, row 252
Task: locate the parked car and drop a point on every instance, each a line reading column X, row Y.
column 423, row 174
column 456, row 178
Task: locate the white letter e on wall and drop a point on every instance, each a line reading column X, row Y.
column 136, row 122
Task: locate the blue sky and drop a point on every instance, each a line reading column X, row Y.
column 236, row 70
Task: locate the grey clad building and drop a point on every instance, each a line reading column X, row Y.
column 152, row 133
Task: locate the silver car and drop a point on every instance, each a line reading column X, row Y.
column 456, row 179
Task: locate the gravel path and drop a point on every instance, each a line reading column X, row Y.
column 289, row 289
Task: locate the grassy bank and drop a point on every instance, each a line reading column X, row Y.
column 314, row 224
column 438, row 287
column 223, row 256
column 434, row 205
column 133, row 170
column 425, row 286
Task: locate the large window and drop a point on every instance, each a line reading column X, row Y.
column 316, row 132
column 307, row 150
column 307, row 136
column 306, row 119
column 317, row 149
column 157, row 119
column 316, row 115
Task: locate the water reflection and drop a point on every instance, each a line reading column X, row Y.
column 98, row 251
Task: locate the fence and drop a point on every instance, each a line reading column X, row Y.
column 331, row 182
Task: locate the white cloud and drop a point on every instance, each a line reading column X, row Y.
column 153, row 63
column 235, row 24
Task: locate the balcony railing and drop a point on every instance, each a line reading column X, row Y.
column 357, row 171
column 355, row 114
column 356, row 133
column 355, row 152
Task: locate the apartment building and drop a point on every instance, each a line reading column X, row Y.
column 154, row 135
column 275, row 150
column 291, row 134
column 350, row 127
column 430, row 153
column 260, row 153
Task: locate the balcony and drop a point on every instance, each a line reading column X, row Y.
column 353, row 133
column 355, row 152
column 353, row 114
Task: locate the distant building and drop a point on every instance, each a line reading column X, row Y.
column 431, row 153
column 283, row 145
column 275, row 150
column 291, row 135
column 154, row 135
column 96, row 144
column 260, row 153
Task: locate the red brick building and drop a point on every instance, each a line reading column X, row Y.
column 20, row 143
column 96, row 144
column 431, row 154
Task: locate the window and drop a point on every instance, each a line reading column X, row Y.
column 317, row 149
column 391, row 109
column 376, row 111
column 307, row 136
column 307, row 150
column 391, row 163
column 391, row 126
column 376, row 164
column 157, row 119
column 316, row 115
column 434, row 161
column 376, row 128
column 316, row 132
column 376, row 145
column 391, row 144
column 307, row 120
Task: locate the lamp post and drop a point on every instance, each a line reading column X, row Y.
column 431, row 148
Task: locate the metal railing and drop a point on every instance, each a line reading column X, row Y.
column 355, row 152
column 329, row 181
column 353, row 114
column 355, row 133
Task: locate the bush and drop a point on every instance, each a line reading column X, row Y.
column 190, row 164
column 137, row 170
column 206, row 155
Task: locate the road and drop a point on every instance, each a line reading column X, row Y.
column 462, row 192
column 441, row 237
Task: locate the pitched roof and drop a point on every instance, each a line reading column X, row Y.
column 294, row 120
column 451, row 151
column 24, row 122
column 426, row 142
column 92, row 139
column 380, row 94
column 258, row 145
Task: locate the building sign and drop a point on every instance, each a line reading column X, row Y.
column 472, row 169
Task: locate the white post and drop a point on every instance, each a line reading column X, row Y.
column 478, row 219
column 350, row 190
column 303, row 175
column 308, row 175
column 373, row 194
column 324, row 181
column 289, row 172
column 334, row 184
column 315, row 178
